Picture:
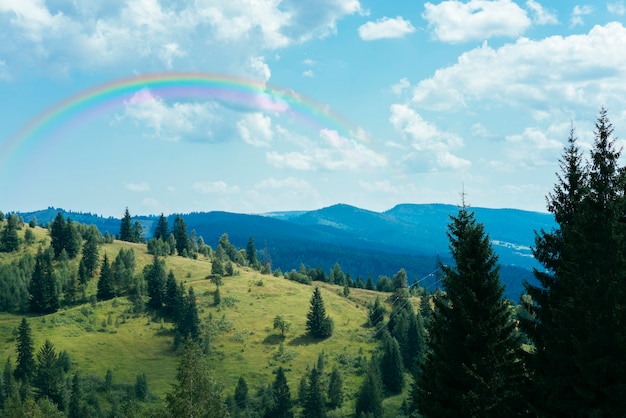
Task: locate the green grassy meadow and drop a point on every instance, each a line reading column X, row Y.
column 242, row 339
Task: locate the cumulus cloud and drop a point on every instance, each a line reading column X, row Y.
column 158, row 34
column 617, row 8
column 170, row 122
column 585, row 70
column 138, row 187
column 308, row 73
column 385, row 28
column 535, row 146
column 214, row 187
column 256, row 129
column 401, row 86
column 428, row 141
column 333, row 152
column 540, row 15
column 476, row 20
column 578, row 13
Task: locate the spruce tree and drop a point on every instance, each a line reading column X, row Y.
column 25, row 367
column 195, row 391
column 43, row 289
column 58, row 234
column 314, row 405
column 577, row 318
column 155, row 277
column 472, row 368
column 369, row 400
column 162, row 229
column 376, row 313
column 335, row 389
column 241, row 394
column 251, row 254
column 126, row 227
column 73, row 410
column 318, row 324
column 105, row 282
column 391, row 365
column 49, row 381
column 281, row 405
column 180, row 234
column 9, row 240
column 90, row 257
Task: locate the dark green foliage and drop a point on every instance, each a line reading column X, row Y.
column 25, row 367
column 190, row 326
column 369, row 285
column 370, row 396
column 15, row 278
column 123, row 271
column 90, row 257
column 336, row 275
column 217, row 298
column 49, row 381
column 318, row 324
column 384, row 284
column 44, row 296
column 577, row 316
column 195, row 392
column 251, row 254
column 154, row 275
column 180, row 234
column 335, row 389
column 8, row 382
column 241, row 393
column 9, row 240
column 73, row 410
column 376, row 313
column 472, row 368
column 162, row 230
column 64, row 236
column 105, row 282
column 126, row 227
column 391, row 365
column 141, row 387
column 314, row 405
column 281, row 404
column 137, row 232
column 158, row 247
column 229, row 249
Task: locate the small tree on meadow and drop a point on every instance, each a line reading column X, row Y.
column 318, row 324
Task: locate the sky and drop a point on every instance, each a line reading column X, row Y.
column 362, row 102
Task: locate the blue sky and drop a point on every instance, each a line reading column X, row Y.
column 446, row 95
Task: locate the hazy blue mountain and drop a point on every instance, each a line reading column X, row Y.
column 363, row 242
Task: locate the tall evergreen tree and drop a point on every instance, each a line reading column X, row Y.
column 578, row 316
column 90, row 257
column 105, row 282
column 191, row 324
column 472, row 368
column 9, row 240
column 126, row 227
column 314, row 405
column 369, row 400
column 43, row 289
column 241, row 393
column 195, row 392
column 49, row 381
column 251, row 254
column 72, row 239
column 25, row 367
column 155, row 277
column 74, row 410
column 180, row 234
column 281, row 405
column 391, row 365
column 162, row 230
column 58, row 234
column 335, row 389
column 318, row 324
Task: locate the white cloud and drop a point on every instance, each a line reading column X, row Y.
column 383, row 186
column 4, row 71
column 138, row 187
column 170, row 122
column 586, row 70
column 576, row 18
column 260, row 68
column 256, row 129
column 535, row 147
column 287, row 191
column 617, row 8
column 308, row 62
column 429, row 142
column 541, row 16
column 476, row 20
column 211, row 187
column 308, row 73
column 401, row 86
column 385, row 28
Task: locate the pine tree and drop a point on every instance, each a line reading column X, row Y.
column 318, row 324
column 180, row 234
column 376, row 313
column 472, row 368
column 314, row 404
column 126, row 227
column 195, row 392
column 251, row 254
column 577, row 314
column 58, row 234
column 90, row 257
column 105, row 282
column 162, row 229
column 72, row 241
column 281, row 405
column 43, row 289
column 391, row 366
column 155, row 277
column 369, row 399
column 191, row 327
column 75, row 395
column 25, row 367
column 9, row 240
column 335, row 389
column 241, row 393
column 48, row 380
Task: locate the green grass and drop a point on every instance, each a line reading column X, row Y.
column 243, row 341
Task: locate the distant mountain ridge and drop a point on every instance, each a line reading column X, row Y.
column 364, row 243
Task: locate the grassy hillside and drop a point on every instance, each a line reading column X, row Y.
column 104, row 336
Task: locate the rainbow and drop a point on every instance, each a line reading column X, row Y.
column 238, row 92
